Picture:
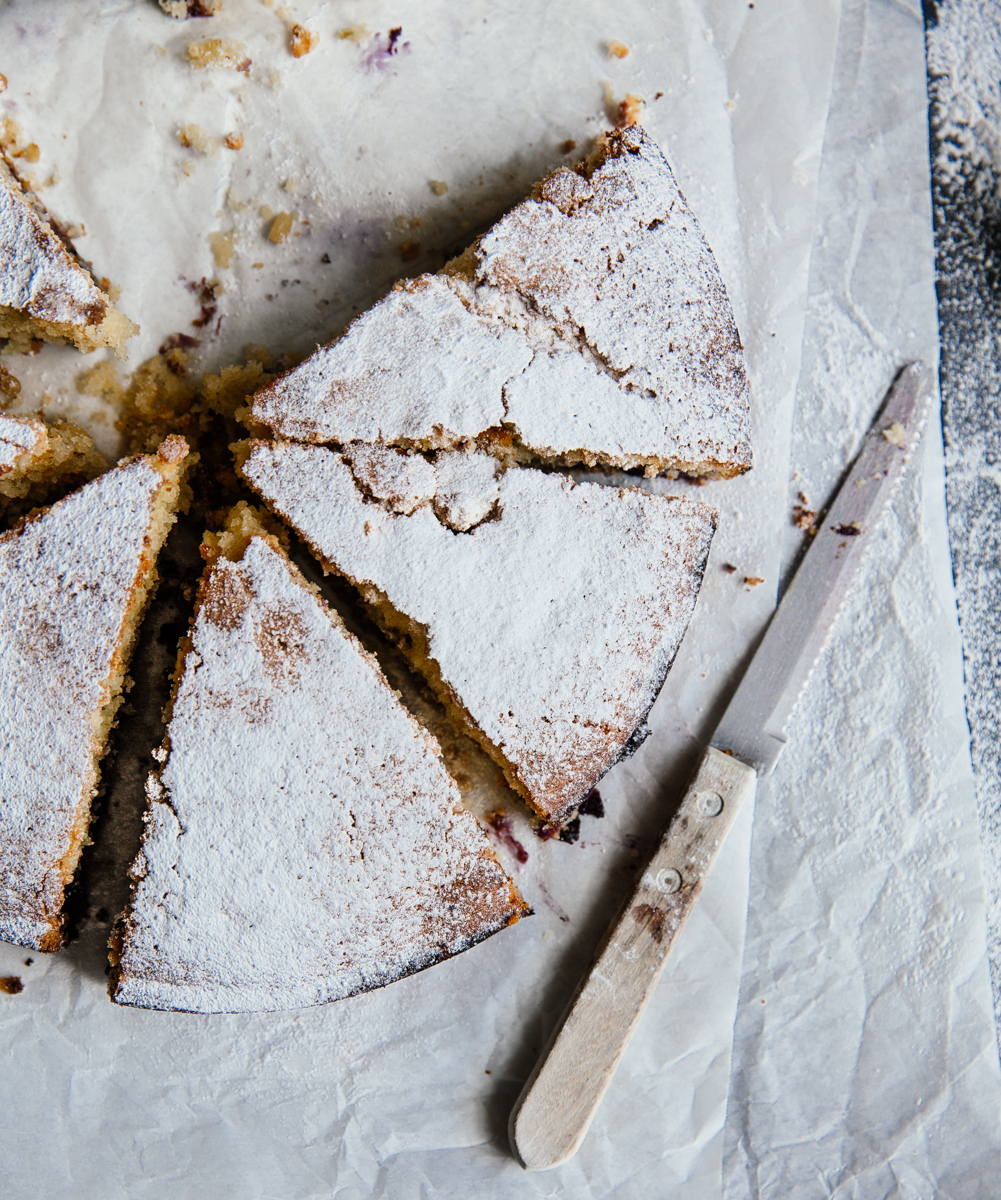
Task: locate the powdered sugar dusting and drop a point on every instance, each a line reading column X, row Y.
column 417, row 367
column 594, row 326
column 37, row 275
column 21, row 439
column 964, row 68
column 304, row 841
column 553, row 624
column 66, row 584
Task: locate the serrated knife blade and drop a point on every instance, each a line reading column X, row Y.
column 562, row 1094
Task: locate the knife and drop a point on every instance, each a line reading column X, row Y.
column 562, row 1094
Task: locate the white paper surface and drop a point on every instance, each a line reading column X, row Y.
column 864, row 1059
column 388, row 1094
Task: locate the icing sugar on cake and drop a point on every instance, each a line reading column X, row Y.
column 303, row 841
column 546, row 628
column 591, row 324
column 74, row 581
column 45, row 293
column 34, row 456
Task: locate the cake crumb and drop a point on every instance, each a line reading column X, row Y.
column 629, row 112
column 569, row 146
column 753, row 580
column 353, row 33
column 30, row 153
column 617, row 49
column 896, row 435
column 804, row 517
column 438, row 187
column 223, row 248
column 218, row 52
column 11, row 984
column 182, row 9
column 301, row 40
column 193, row 137
column 281, row 227
column 233, row 141
column 173, row 449
column 3, row 83
column 409, row 251
column 10, row 388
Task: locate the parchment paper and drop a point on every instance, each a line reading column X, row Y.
column 406, row 1091
column 864, row 1058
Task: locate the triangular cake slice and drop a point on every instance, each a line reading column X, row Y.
column 45, row 292
column 35, row 456
column 74, row 581
column 591, row 324
column 304, row 841
column 545, row 614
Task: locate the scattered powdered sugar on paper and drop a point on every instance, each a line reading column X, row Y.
column 865, row 1061
column 964, row 74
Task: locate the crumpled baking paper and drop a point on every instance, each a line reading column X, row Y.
column 407, row 1091
column 864, row 1059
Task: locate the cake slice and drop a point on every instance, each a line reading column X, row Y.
column 590, row 325
column 35, row 457
column 303, row 841
column 74, row 581
column 45, row 292
column 545, row 614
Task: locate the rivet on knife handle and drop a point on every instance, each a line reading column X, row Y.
column 562, row 1094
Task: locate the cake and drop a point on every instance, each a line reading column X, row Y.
column 589, row 325
column 74, row 581
column 303, row 841
column 46, row 294
column 35, row 457
column 545, row 614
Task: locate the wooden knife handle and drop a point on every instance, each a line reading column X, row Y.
column 562, row 1094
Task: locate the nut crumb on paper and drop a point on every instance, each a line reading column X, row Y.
column 617, row 49
column 753, row 580
column 233, row 141
column 569, row 146
column 11, row 985
column 302, row 41
column 281, row 227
